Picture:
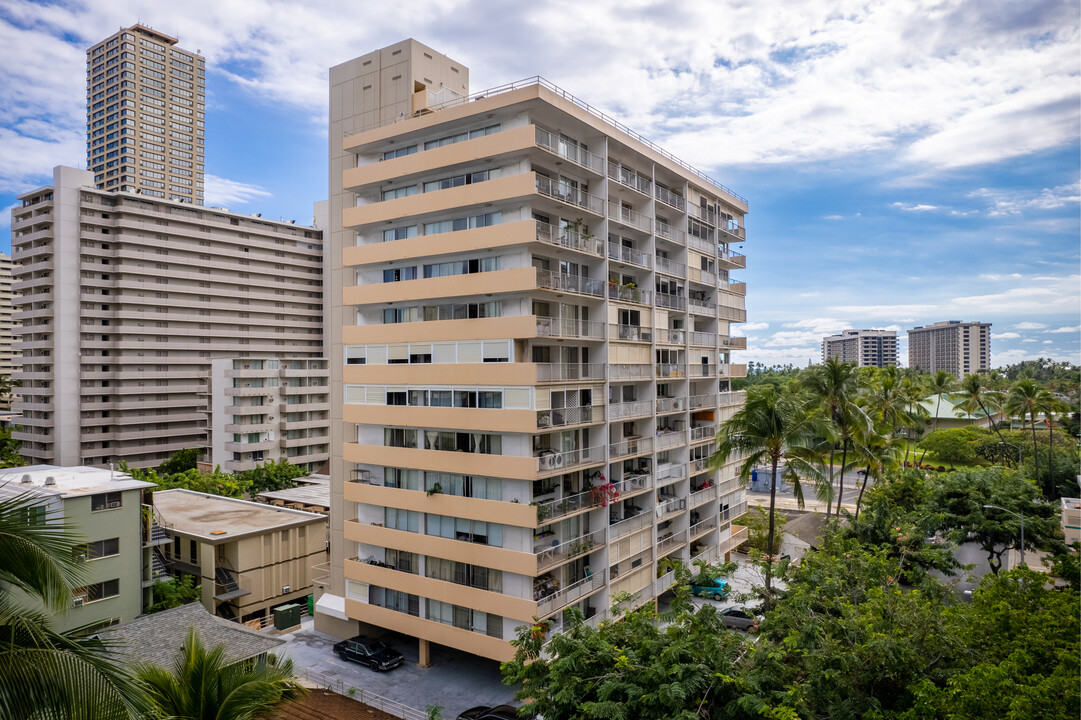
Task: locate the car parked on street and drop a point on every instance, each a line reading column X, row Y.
column 738, row 617
column 716, row 589
column 369, row 651
column 485, row 712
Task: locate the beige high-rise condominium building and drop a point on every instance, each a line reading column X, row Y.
column 957, row 347
column 530, row 355
column 865, row 348
column 125, row 300
column 146, row 115
column 7, row 325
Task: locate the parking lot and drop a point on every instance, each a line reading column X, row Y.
column 456, row 680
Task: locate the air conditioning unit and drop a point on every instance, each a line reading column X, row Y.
column 114, row 504
column 286, row 589
column 78, row 601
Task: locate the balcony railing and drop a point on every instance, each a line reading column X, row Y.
column 570, row 328
column 561, row 417
column 630, row 371
column 670, row 474
column 552, row 461
column 575, row 153
column 631, row 333
column 734, row 343
column 628, row 217
column 699, row 465
column 671, row 336
column 626, row 410
column 675, row 302
column 634, row 483
column 671, row 404
column 703, row 432
column 671, row 370
column 564, row 192
column 703, row 339
column 570, row 594
column 664, row 582
column 671, row 439
column 567, row 238
column 704, row 495
column 630, row 446
column 737, row 397
column 629, row 525
column 628, row 293
column 560, row 507
column 622, row 253
column 702, row 276
column 708, row 247
column 732, row 370
column 666, row 231
column 548, row 558
column 702, row 307
column 672, row 267
column 703, row 370
column 569, row 283
column 670, row 506
column 561, row 372
column 731, row 314
column 665, row 543
column 628, row 177
column 670, row 198
column 732, row 257
column 732, row 286
column 699, row 529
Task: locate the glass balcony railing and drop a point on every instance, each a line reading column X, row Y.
column 565, row 192
column 569, row 283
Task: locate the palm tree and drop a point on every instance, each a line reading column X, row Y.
column 203, row 686
column 941, row 383
column 834, row 386
column 44, row 673
column 1026, row 398
column 778, row 427
column 974, row 396
column 912, row 392
column 1051, row 404
column 878, row 451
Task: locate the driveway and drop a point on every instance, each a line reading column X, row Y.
column 456, row 680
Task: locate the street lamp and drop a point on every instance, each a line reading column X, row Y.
column 1015, row 447
column 1016, row 514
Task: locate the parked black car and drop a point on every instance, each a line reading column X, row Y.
column 485, row 712
column 368, row 651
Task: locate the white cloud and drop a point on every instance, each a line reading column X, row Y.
column 751, row 326
column 991, row 277
column 1005, row 336
column 1029, row 326
column 833, row 217
column 1009, row 357
column 221, row 191
column 910, row 207
column 1013, row 202
column 809, row 294
column 1029, row 340
column 1075, row 329
column 1048, row 342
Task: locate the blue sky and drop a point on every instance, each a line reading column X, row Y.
column 906, row 162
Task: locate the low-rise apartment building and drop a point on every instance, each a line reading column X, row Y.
column 269, row 408
column 865, row 348
column 113, row 515
column 248, row 557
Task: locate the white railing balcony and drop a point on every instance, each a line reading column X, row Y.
column 732, row 370
column 627, row 410
column 704, row 214
column 551, row 461
column 565, row 372
column 670, row 474
column 570, row 239
column 575, row 153
column 670, row 198
column 631, row 218
column 629, row 525
column 671, row 505
column 704, row 495
column 628, row 255
column 675, row 302
column 561, row 417
column 671, row 336
column 666, row 231
column 671, row 404
column 699, row 529
column 572, row 593
column 733, row 258
column 734, row 232
column 704, row 339
column 629, row 293
column 733, row 286
column 731, row 314
column 737, row 397
column 630, row 371
column 569, row 283
column 570, row 328
column 699, row 465
column 703, row 432
column 565, row 192
column 671, row 370
column 630, row 178
column 668, row 541
column 549, row 557
column 701, row 307
column 630, row 333
column 630, row 446
column 672, row 439
column 702, row 245
column 702, row 276
column 707, row 556
column 549, row 510
column 671, row 267
column 633, row 483
column 664, row 582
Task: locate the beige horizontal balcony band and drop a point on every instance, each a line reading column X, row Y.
column 522, row 326
column 521, row 468
column 496, row 282
column 497, row 511
column 444, row 374
column 425, row 246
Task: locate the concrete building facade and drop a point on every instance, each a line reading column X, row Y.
column 269, row 408
column 959, row 348
column 530, row 356
column 7, row 324
column 865, row 348
column 146, row 115
column 248, row 557
column 123, row 302
column 114, row 514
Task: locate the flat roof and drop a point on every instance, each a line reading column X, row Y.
column 67, row 482
column 314, row 494
column 218, row 519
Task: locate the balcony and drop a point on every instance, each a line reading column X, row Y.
column 704, row 495
column 671, row 370
column 701, row 307
column 671, row 540
column 737, row 397
column 556, row 508
column 703, row 432
column 575, row 153
column 629, row 293
column 731, row 314
column 630, row 333
column 699, row 529
column 706, row 247
column 667, row 232
column 563, row 417
column 561, row 282
column 671, row 267
column 670, row 336
column 559, row 553
column 570, row 594
column 566, row 193
column 549, row 461
column 739, row 288
column 569, row 239
column 628, row 410
column 628, row 217
column 570, row 328
column 671, row 506
column 629, row 178
column 629, row 447
column 630, row 371
column 704, row 339
column 734, row 343
column 671, row 439
column 732, row 259
column 629, row 525
column 568, row 372
column 674, row 302
column 732, row 370
column 628, row 255
column 671, row 404
column 633, row 483
column 670, row 198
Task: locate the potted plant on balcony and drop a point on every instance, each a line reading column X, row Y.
column 435, row 489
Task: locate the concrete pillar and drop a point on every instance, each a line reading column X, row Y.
column 425, row 660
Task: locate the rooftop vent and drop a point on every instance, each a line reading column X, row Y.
column 26, row 479
column 50, row 480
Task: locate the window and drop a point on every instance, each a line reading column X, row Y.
column 399, row 274
column 99, row 549
column 176, row 548
column 400, row 192
column 400, row 152
column 403, row 561
column 105, row 501
column 97, row 591
column 193, row 547
column 459, row 180
column 459, row 267
column 401, row 478
column 407, row 520
column 474, row 531
column 463, row 223
column 400, row 233
column 459, row 137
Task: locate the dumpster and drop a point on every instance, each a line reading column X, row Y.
column 287, row 616
column 311, row 606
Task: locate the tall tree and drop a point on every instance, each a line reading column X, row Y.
column 975, row 396
column 1026, row 399
column 43, row 673
column 1050, row 404
column 879, row 451
column 202, row 686
column 834, row 385
column 779, row 428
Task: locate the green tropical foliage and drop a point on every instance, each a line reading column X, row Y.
column 174, row 592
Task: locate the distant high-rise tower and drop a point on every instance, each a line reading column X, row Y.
column 866, row 348
column 146, row 115
column 7, row 324
column 957, row 347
